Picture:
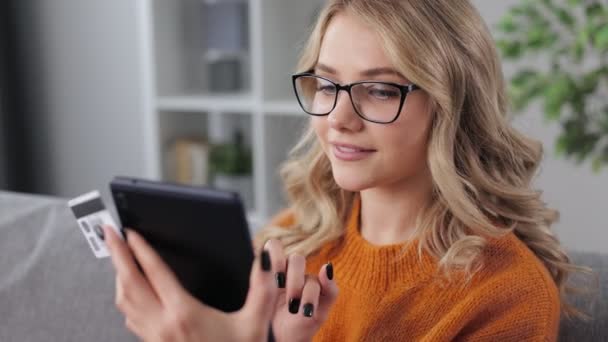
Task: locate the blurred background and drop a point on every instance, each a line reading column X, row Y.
column 199, row 92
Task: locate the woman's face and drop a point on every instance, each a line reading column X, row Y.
column 382, row 155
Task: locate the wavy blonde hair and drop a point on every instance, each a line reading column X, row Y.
column 481, row 166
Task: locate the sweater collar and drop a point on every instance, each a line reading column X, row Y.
column 365, row 265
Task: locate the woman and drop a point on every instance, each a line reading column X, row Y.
column 411, row 182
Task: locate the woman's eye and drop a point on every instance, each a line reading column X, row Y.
column 326, row 89
column 383, row 93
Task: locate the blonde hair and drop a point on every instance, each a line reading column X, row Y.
column 481, row 166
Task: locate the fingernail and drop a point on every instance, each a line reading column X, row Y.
column 100, row 232
column 280, row 276
column 265, row 261
column 308, row 309
column 330, row 271
column 294, row 305
column 105, row 230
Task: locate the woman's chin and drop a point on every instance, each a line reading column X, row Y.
column 354, row 184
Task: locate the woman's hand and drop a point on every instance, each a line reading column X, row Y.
column 157, row 308
column 304, row 300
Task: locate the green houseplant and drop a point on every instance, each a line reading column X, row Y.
column 232, row 158
column 573, row 36
column 230, row 165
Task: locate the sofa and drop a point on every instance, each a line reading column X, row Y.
column 53, row 289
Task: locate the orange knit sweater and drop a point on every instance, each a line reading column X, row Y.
column 387, row 298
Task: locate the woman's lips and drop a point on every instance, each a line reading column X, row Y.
column 350, row 153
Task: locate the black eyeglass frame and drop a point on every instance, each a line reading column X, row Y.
column 404, row 89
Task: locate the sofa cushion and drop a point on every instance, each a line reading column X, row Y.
column 52, row 288
column 595, row 305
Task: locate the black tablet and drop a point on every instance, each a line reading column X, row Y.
column 200, row 232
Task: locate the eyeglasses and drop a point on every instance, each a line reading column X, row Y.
column 378, row 102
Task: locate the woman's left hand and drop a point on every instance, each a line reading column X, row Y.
column 158, row 308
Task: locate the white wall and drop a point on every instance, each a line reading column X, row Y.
column 580, row 195
column 83, row 92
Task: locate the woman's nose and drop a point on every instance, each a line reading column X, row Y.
column 344, row 116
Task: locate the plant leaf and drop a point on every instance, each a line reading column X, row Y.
column 507, row 24
column 593, row 10
column 556, row 94
column 596, row 163
column 601, row 38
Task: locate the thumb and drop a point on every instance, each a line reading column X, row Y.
column 329, row 291
column 261, row 299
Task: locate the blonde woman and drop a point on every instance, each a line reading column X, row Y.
column 410, row 180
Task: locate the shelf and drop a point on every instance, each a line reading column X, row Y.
column 225, row 103
column 206, row 103
column 217, row 65
column 224, row 2
column 282, row 107
column 216, row 55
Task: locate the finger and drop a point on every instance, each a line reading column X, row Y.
column 329, row 291
column 134, row 295
column 310, row 296
column 261, row 298
column 121, row 255
column 134, row 300
column 128, row 273
column 279, row 261
column 160, row 276
column 296, row 268
column 140, row 330
column 132, row 326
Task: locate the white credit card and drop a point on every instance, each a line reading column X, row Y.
column 91, row 214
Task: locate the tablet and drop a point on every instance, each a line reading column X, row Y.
column 200, row 232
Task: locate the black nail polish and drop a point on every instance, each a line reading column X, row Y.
column 280, row 277
column 294, row 305
column 330, row 271
column 265, row 261
column 308, row 309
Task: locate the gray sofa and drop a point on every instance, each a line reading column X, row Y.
column 53, row 289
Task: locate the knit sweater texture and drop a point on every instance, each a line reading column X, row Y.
column 390, row 293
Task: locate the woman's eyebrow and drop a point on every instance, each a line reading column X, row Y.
column 326, row 68
column 381, row 71
column 365, row 73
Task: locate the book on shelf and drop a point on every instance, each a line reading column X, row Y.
column 188, row 161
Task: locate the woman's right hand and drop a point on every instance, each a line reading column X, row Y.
column 304, row 301
column 158, row 308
